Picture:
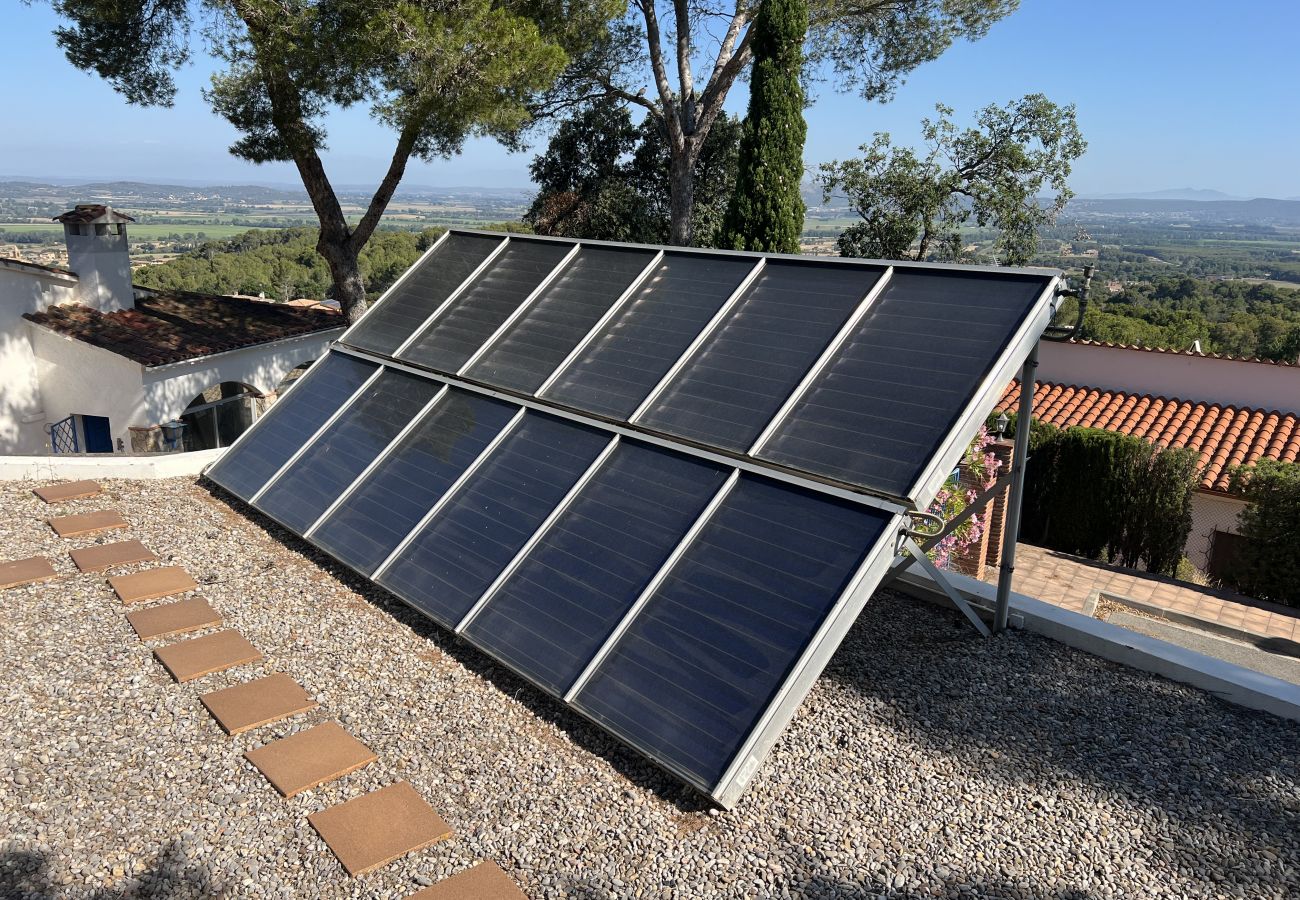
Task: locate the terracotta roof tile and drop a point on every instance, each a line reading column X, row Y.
column 1224, row 436
column 171, row 328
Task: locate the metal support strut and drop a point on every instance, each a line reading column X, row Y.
column 1019, row 457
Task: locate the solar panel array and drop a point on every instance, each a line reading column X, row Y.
column 658, row 483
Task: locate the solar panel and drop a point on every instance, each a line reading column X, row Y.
column 658, row 483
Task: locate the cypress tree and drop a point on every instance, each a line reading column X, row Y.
column 767, row 209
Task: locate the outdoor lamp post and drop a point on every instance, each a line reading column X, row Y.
column 1003, row 422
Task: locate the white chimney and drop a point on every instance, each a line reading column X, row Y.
column 97, row 252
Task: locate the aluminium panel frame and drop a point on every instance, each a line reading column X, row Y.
column 392, row 288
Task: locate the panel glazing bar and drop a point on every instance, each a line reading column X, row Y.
column 832, row 349
column 392, row 288
column 600, row 325
column 460, row 289
column 766, row 469
column 520, row 309
column 538, row 534
column 374, row 463
column 700, row 338
column 448, row 494
column 318, row 432
column 669, row 564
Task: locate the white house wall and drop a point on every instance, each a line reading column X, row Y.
column 22, row 416
column 1200, row 378
column 79, row 378
column 1210, row 513
column 169, row 389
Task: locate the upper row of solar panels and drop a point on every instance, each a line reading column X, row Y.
column 854, row 373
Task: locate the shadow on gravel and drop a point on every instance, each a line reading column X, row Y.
column 1224, row 781
column 25, row 875
column 629, row 764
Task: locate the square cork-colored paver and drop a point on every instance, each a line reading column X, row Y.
column 88, row 523
column 152, row 584
column 253, row 703
column 18, row 572
column 379, row 827
column 309, row 758
column 201, row 656
column 105, row 556
column 68, row 490
column 189, row 614
column 484, row 881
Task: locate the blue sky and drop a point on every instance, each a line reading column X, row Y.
column 1170, row 94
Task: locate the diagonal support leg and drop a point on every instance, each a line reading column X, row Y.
column 915, row 555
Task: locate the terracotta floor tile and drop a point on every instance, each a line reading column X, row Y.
column 304, row 760
column 68, row 490
column 255, row 703
column 201, row 656
column 484, row 881
column 88, row 523
column 379, row 827
column 167, row 619
column 16, row 573
column 99, row 557
column 152, row 584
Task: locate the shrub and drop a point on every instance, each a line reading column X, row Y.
column 1268, row 564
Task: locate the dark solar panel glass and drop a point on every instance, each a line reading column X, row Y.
column 638, row 346
column 344, row 449
column 556, row 321
column 454, row 558
column 741, row 375
column 372, row 521
column 695, row 670
column 480, row 309
column 556, row 609
column 289, row 423
column 388, row 325
column 880, row 409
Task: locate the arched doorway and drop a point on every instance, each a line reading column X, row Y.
column 220, row 414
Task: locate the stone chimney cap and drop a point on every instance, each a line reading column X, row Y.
column 92, row 214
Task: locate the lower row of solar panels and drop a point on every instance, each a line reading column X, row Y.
column 664, row 596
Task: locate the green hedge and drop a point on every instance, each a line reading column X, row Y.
column 1268, row 564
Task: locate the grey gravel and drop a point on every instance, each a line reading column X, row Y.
column 926, row 762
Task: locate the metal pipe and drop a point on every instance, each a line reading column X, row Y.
column 1019, row 457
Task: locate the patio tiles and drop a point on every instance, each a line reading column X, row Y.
column 201, row 656
column 255, row 703
column 167, row 619
column 379, row 827
column 99, row 557
column 484, row 881
column 18, row 572
column 309, row 758
column 152, row 584
column 83, row 524
column 68, row 490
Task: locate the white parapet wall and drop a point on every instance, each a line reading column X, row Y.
column 73, row 467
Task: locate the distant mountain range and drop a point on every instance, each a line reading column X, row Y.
column 1171, row 194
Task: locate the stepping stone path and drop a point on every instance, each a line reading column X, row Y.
column 259, row 702
column 105, row 556
column 376, row 828
column 310, row 758
column 152, row 584
column 364, row 833
column 83, row 524
column 26, row 571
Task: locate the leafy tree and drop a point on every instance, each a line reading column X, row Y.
column 913, row 207
column 1268, row 564
column 767, row 208
column 871, row 45
column 604, row 178
column 433, row 71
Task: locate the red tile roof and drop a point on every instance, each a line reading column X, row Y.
column 22, row 264
column 88, row 213
column 1225, row 435
column 1193, row 353
column 172, row 328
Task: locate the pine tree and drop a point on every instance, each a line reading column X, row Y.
column 767, row 209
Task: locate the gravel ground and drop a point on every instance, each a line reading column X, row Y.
column 925, row 763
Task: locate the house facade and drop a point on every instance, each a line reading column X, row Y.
column 94, row 364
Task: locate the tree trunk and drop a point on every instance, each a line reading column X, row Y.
column 681, row 200
column 349, row 289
